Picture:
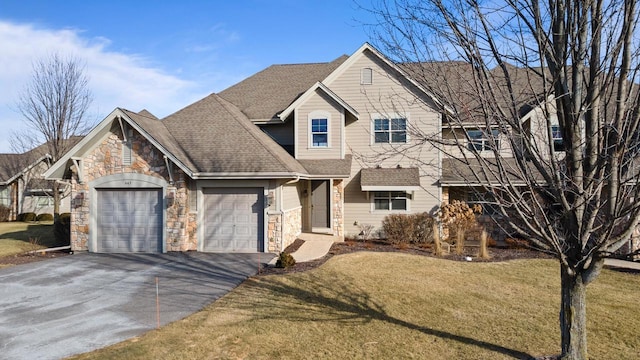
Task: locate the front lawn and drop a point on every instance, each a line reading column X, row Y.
column 393, row 305
column 16, row 237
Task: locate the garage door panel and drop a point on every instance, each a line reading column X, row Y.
column 129, row 220
column 233, row 219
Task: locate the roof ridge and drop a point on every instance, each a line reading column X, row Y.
column 253, row 131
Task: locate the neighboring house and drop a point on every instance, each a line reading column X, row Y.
column 323, row 148
column 22, row 188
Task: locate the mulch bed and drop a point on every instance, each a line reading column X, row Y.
column 29, row 258
column 346, row 247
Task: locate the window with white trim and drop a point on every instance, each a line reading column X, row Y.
column 390, row 130
column 366, row 76
column 556, row 137
column 44, row 201
column 5, row 196
column 390, row 200
column 320, row 133
column 479, row 141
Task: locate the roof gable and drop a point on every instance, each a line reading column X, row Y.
column 151, row 129
column 307, row 94
column 367, row 48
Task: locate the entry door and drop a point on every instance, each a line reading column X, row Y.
column 320, row 204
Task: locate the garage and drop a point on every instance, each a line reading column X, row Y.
column 233, row 219
column 129, row 220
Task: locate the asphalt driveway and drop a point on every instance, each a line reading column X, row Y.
column 74, row 304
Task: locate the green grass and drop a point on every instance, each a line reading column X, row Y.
column 15, row 237
column 390, row 305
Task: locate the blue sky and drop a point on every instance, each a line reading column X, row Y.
column 163, row 55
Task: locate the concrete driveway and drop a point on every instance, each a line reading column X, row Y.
column 74, row 304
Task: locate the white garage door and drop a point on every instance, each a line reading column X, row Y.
column 129, row 220
column 233, row 219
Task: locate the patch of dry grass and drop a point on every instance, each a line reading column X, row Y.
column 15, row 237
column 392, row 305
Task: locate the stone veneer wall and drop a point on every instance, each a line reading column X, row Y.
column 338, row 209
column 106, row 159
column 292, row 226
column 274, row 232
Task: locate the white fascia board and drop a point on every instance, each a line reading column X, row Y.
column 244, row 175
column 390, row 188
column 307, row 94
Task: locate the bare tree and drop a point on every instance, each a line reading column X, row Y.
column 551, row 89
column 53, row 104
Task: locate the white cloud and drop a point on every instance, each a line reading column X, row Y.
column 116, row 79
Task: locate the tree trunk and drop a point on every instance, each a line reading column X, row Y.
column 573, row 316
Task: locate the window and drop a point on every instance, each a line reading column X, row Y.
column 556, row 137
column 390, row 200
column 319, row 133
column 390, row 130
column 478, row 140
column 44, row 201
column 485, row 199
column 5, row 196
column 366, row 76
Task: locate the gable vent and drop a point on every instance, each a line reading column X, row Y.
column 126, row 149
column 366, row 76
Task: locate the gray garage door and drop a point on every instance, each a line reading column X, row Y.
column 233, row 219
column 129, row 220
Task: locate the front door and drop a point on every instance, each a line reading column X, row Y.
column 320, row 204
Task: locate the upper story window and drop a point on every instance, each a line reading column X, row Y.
column 390, row 200
column 390, row 130
column 479, row 141
column 319, row 133
column 556, row 137
column 366, row 76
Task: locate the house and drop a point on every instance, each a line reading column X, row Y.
column 22, row 188
column 322, row 148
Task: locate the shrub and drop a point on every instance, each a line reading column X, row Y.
column 422, row 228
column 408, row 228
column 62, row 229
column 5, row 212
column 514, row 243
column 28, row 216
column 44, row 217
column 285, row 260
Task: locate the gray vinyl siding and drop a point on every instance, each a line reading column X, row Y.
column 386, row 95
column 291, row 197
column 321, row 103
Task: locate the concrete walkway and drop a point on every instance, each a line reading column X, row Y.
column 315, row 246
column 622, row 264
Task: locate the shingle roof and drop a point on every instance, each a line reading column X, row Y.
column 265, row 94
column 470, row 172
column 454, row 84
column 389, row 177
column 218, row 138
column 12, row 165
column 328, row 167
